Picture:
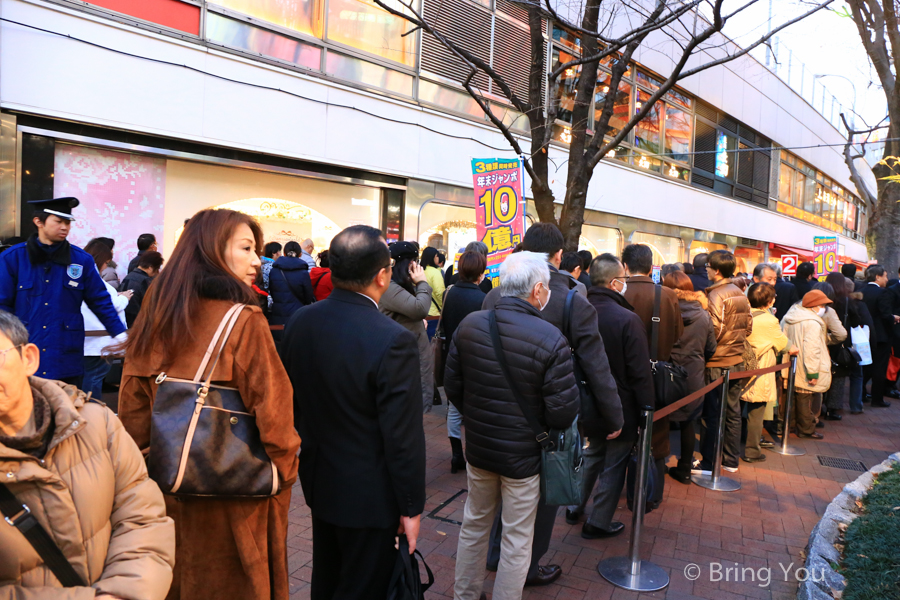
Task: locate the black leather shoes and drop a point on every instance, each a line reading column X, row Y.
column 833, row 416
column 590, row 532
column 811, row 436
column 895, row 394
column 680, row 476
column 760, row 458
column 572, row 517
column 545, row 576
column 882, row 404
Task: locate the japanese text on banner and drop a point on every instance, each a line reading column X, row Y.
column 825, row 260
column 499, row 207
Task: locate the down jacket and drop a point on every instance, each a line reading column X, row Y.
column 767, row 341
column 409, row 310
column 729, row 311
column 695, row 346
column 290, row 288
column 91, row 493
column 807, row 330
column 498, row 438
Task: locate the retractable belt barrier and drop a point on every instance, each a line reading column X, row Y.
column 632, row 573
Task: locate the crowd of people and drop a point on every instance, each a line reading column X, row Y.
column 337, row 358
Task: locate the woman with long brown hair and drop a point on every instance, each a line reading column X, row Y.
column 225, row 548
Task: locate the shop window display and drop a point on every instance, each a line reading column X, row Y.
column 698, row 247
column 666, row 250
column 747, row 259
column 599, row 240
column 122, row 196
column 446, row 227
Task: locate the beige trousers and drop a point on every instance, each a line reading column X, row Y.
column 520, row 501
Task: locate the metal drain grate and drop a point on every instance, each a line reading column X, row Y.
column 842, row 463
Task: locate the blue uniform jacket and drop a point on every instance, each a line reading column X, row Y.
column 47, row 298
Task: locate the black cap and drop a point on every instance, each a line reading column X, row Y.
column 403, row 250
column 61, row 207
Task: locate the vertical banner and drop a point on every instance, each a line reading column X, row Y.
column 499, row 207
column 825, row 260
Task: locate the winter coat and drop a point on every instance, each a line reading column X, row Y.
column 880, row 304
column 226, row 548
column 290, row 288
column 409, row 311
column 641, row 294
column 320, row 277
column 138, row 282
column 767, row 341
column 498, row 438
column 695, row 346
column 435, row 279
column 109, row 274
column 836, row 331
column 94, row 344
column 806, row 330
column 45, row 290
column 785, row 297
column 729, row 311
column 627, row 350
column 700, row 280
column 460, row 301
column 605, row 413
column 91, row 493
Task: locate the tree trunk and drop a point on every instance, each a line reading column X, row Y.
column 883, row 236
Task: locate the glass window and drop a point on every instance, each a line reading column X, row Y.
column 680, row 98
column 354, row 69
column 799, row 187
column 809, row 196
column 677, row 171
column 666, row 250
column 510, row 117
column 785, row 179
column 850, row 213
column 620, row 153
column 678, row 133
column 293, row 14
column 646, row 136
column 648, row 81
column 451, row 99
column 238, row 34
column 621, row 108
column 699, row 247
column 446, row 227
column 565, row 85
column 363, row 25
column 725, row 145
column 566, row 39
column 839, row 211
column 598, row 240
column 747, row 259
column 645, row 162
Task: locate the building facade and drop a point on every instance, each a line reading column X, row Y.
column 315, row 115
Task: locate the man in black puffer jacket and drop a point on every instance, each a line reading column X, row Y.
column 504, row 459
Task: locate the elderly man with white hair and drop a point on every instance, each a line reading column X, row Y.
column 307, row 247
column 504, row 458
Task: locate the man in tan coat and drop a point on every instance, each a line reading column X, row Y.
column 68, row 467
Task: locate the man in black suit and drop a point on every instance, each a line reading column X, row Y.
column 806, row 272
column 880, row 304
column 785, row 296
column 358, row 409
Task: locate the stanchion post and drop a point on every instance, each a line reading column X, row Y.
column 715, row 481
column 630, row 572
column 788, row 409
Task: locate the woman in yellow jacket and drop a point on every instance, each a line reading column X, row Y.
column 767, row 341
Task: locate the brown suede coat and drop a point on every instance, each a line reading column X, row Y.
column 226, row 548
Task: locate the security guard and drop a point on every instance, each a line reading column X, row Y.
column 43, row 282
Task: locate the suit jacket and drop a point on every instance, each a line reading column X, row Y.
column 879, row 301
column 785, row 297
column 640, row 294
column 358, row 408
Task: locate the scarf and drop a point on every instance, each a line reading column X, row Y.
column 40, row 253
column 37, row 443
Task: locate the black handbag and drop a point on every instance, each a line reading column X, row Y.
column 562, row 452
column 669, row 380
column 203, row 442
column 844, row 358
column 406, row 581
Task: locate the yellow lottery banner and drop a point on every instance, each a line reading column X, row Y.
column 500, row 207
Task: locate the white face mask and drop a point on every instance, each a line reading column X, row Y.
column 624, row 285
column 821, row 312
column 544, row 305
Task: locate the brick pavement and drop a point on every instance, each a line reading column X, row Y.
column 765, row 524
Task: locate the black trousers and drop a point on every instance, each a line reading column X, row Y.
column 351, row 563
column 877, row 371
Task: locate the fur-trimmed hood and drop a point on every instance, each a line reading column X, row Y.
column 692, row 305
column 684, row 296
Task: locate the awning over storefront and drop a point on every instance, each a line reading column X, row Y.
column 781, row 249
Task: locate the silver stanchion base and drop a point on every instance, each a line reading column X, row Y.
column 724, row 484
column 617, row 571
column 789, row 451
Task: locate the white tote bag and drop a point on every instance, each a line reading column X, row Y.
column 860, row 338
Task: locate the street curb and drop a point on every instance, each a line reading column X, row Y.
column 820, row 552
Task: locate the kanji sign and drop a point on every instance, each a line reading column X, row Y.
column 500, row 207
column 825, row 260
column 789, row 264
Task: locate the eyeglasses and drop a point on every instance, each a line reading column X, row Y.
column 3, row 354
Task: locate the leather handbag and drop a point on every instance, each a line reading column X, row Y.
column 406, row 582
column 669, row 380
column 203, row 442
column 562, row 452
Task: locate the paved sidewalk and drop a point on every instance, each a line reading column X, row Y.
column 765, row 524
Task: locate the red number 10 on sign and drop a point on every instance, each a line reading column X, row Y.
column 789, row 265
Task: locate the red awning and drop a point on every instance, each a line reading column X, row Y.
column 807, row 254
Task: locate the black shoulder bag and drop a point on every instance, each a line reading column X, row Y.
column 18, row 515
column 561, row 449
column 669, row 380
column 406, row 582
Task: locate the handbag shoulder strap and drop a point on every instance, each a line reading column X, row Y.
column 539, row 434
column 441, row 315
column 18, row 515
column 290, row 287
column 567, row 315
column 654, row 324
column 222, row 333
